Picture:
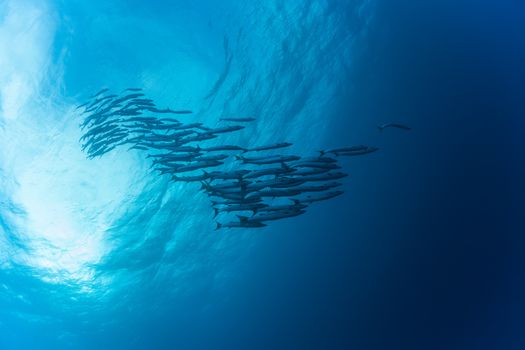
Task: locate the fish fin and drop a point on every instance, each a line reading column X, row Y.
column 380, row 127
column 296, row 201
column 219, row 225
column 242, row 218
column 322, row 153
column 239, row 157
column 215, row 212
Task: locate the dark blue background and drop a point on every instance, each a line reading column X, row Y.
column 425, row 251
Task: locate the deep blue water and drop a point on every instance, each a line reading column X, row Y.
column 423, row 251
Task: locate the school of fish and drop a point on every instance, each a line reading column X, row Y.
column 248, row 186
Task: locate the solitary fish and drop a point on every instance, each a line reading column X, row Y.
column 351, row 151
column 393, row 125
column 328, row 166
column 358, row 153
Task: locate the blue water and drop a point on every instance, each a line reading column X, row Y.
column 423, row 251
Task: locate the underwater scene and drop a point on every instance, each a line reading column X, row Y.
column 266, row 174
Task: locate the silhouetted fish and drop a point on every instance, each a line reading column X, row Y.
column 319, row 165
column 351, row 151
column 324, row 177
column 272, row 193
column 168, row 110
column 285, row 207
column 269, row 160
column 198, row 165
column 271, row 216
column 224, row 129
column 240, row 201
column 269, row 171
column 393, row 125
column 253, row 207
column 269, row 147
column 358, row 153
column 321, row 197
column 240, row 224
column 100, row 92
column 223, row 148
column 202, row 177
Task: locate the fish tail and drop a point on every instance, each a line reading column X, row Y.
column 242, row 218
